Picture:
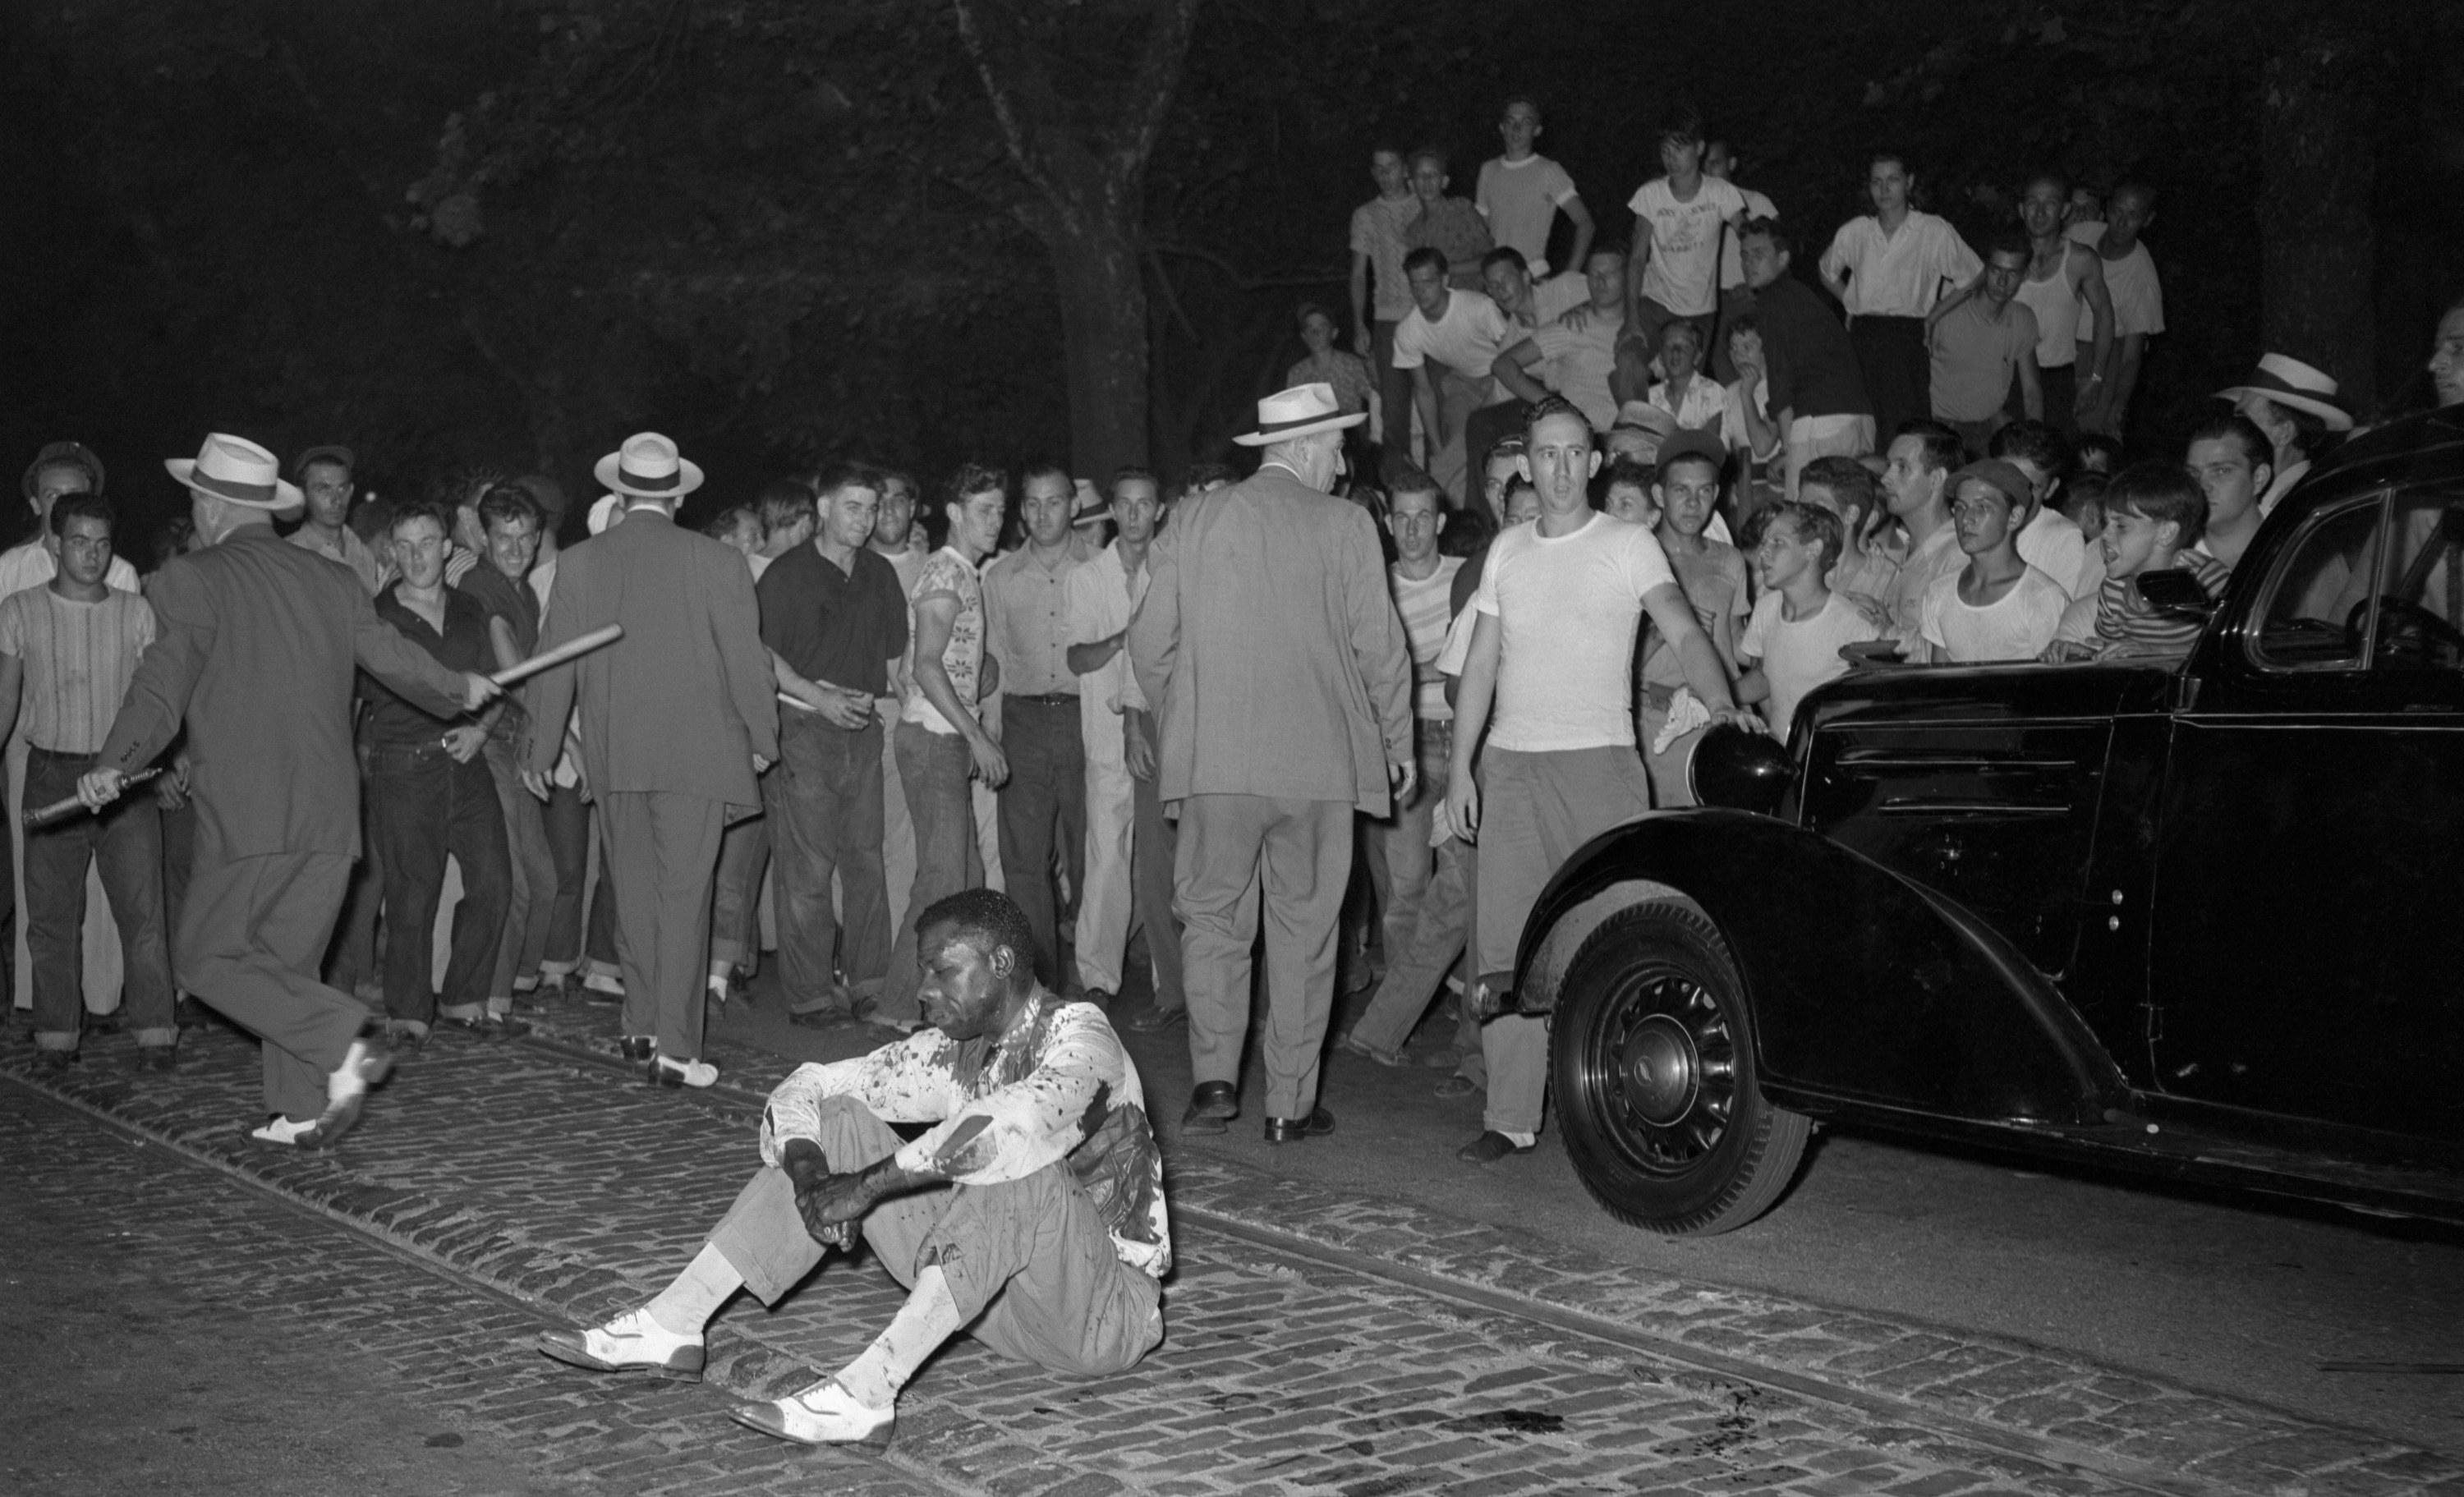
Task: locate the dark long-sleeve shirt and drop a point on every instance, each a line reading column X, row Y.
column 1814, row 370
column 394, row 718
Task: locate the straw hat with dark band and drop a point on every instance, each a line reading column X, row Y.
column 237, row 470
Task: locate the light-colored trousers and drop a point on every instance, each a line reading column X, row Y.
column 1535, row 810
column 1238, row 852
column 1112, row 822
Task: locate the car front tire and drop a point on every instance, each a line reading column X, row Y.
column 1653, row 1063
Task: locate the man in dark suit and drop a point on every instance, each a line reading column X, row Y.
column 255, row 644
column 677, row 719
column 1269, row 646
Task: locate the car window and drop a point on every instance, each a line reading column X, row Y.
column 2315, row 613
column 2421, row 603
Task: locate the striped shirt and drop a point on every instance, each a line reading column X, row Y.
column 2127, row 626
column 1426, row 612
column 79, row 657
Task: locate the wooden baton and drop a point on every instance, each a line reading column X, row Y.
column 579, row 644
column 42, row 815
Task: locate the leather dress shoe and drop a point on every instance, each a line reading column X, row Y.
column 637, row 1046
column 1490, row 1147
column 55, row 1060
column 630, row 1343
column 667, row 1070
column 825, row 1413
column 1211, row 1105
column 1154, row 1019
column 1293, row 1129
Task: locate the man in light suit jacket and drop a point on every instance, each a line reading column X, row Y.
column 677, row 719
column 1270, row 647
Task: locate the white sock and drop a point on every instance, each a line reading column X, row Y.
column 688, row 1302
column 929, row 1317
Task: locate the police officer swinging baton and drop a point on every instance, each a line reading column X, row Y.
column 579, row 645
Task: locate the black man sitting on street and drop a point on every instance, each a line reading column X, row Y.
column 1048, row 1241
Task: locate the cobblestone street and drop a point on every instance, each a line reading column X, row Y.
column 1316, row 1342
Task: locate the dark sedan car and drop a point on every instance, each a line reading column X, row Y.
column 2200, row 917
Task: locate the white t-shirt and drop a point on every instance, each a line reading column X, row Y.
column 2138, row 293
column 1578, row 365
column 1569, row 607
column 1798, row 655
column 1897, row 275
column 1468, row 339
column 1423, row 605
column 2053, row 544
column 1520, row 199
column 1684, row 273
column 1732, row 263
column 2017, row 626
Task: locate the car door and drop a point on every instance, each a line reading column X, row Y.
column 2307, row 946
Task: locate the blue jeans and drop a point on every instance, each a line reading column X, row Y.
column 426, row 806
column 825, row 809
column 126, row 840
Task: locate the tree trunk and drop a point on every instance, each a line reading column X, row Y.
column 2315, row 209
column 1104, row 337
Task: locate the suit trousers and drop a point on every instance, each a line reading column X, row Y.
column 531, row 888
column 824, row 800
column 1295, row 857
column 1029, row 1262
column 124, row 842
column 565, row 820
column 663, row 855
column 1535, row 810
column 252, row 933
column 1106, row 898
column 735, row 893
column 352, row 963
column 1043, row 816
column 935, row 768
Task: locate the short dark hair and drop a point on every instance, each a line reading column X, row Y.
column 2160, row 492
column 1544, row 409
column 1506, row 255
column 505, row 503
column 1848, row 478
column 1132, row 472
column 1683, row 324
column 2100, row 443
column 2084, row 491
column 1201, row 474
column 1941, row 444
column 1409, row 479
column 1767, row 228
column 974, row 478
column 725, row 522
column 1468, row 530
column 2061, row 184
column 1045, row 467
column 1813, row 522
column 846, row 473
column 1680, row 125
column 783, row 504
column 2039, row 442
column 1513, row 99
column 87, row 505
column 1630, row 473
column 990, row 917
column 2010, row 241
column 1426, row 254
column 1435, row 153
column 1309, row 309
column 409, row 510
column 2255, row 444
column 324, row 459
column 1742, row 322
column 891, row 475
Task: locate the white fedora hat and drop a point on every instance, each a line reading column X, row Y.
column 2289, row 381
column 647, row 467
column 236, row 469
column 1298, row 411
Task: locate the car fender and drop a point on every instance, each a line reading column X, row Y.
column 1866, row 987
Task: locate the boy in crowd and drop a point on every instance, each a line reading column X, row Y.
column 1521, row 192
column 1378, row 228
column 2153, row 516
column 1997, row 606
column 1712, row 574
column 1792, row 644
column 1846, row 488
column 1694, row 398
column 1450, row 344
column 70, row 647
column 1683, row 221
column 2083, row 504
column 2050, row 541
column 1625, row 492
column 1980, row 344
column 1448, row 225
column 2233, row 463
